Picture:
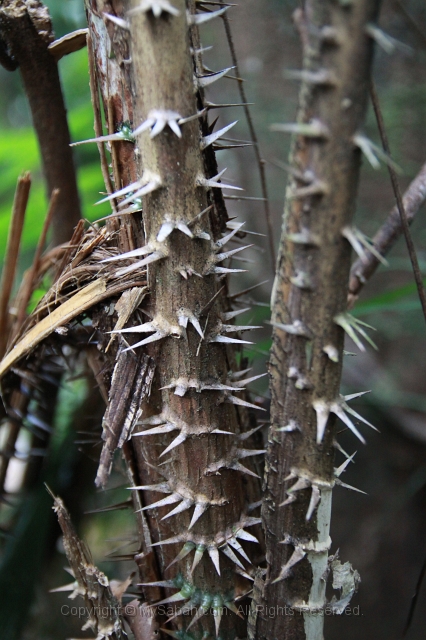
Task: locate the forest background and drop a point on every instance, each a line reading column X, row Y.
column 383, row 533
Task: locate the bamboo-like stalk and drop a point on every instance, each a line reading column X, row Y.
column 12, row 252
column 308, row 313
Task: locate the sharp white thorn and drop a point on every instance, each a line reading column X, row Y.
column 173, row 540
column 313, row 129
column 195, row 323
column 357, row 415
column 299, row 485
column 297, row 555
column 297, row 328
column 175, row 497
column 120, row 192
column 201, row 18
column 246, row 453
column 174, row 126
column 186, row 549
column 339, row 470
column 291, row 498
column 149, row 187
column 200, row 508
column 141, row 328
column 201, row 611
column 213, row 182
column 232, row 328
column 135, row 253
column 108, row 138
column 246, row 381
column 221, row 270
column 199, row 552
column 242, row 403
column 176, row 442
column 123, row 24
column 157, row 255
column 348, row 486
column 232, row 314
column 221, row 243
column 157, row 120
column 352, row 396
column 161, row 487
column 155, row 336
column 244, row 535
column 227, row 254
column 205, row 81
column 340, row 413
column 166, row 428
column 231, row 555
column 374, row 153
column 332, row 352
column 185, row 504
column 385, row 41
column 185, row 229
column 195, row 116
column 214, row 556
column 165, row 231
column 233, row 542
column 225, row 339
column 217, row 614
column 247, row 434
column 210, row 139
column 237, row 466
column 315, row 498
column 322, row 410
column 156, row 6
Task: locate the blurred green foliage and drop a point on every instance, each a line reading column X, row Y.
column 18, row 144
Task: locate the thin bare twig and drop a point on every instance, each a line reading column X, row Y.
column 12, row 251
column 414, row 599
column 253, row 136
column 411, row 21
column 388, row 234
column 397, row 191
column 33, row 271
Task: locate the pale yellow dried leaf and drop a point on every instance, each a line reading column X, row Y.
column 74, row 306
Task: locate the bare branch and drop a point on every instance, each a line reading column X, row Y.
column 388, row 234
column 397, row 191
column 253, row 135
column 12, row 252
column 31, row 275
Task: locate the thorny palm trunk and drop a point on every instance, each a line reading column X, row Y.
column 308, row 305
column 179, row 383
column 192, row 426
